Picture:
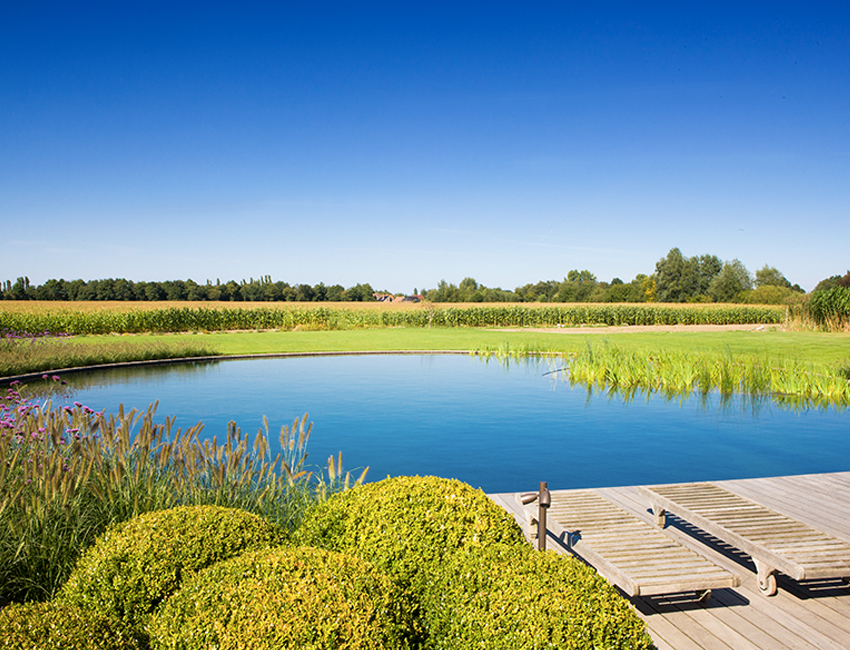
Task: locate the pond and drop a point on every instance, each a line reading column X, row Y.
column 501, row 428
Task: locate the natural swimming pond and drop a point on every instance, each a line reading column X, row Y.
column 501, row 428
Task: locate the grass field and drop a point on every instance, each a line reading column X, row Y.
column 817, row 347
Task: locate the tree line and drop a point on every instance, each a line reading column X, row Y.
column 261, row 290
column 702, row 278
column 676, row 279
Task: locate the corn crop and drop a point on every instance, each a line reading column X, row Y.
column 186, row 319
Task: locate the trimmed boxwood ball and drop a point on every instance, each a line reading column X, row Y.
column 134, row 566
column 282, row 598
column 509, row 598
column 59, row 626
column 406, row 526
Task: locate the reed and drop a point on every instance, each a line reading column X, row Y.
column 67, row 473
column 681, row 374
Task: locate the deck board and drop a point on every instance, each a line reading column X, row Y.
column 810, row 615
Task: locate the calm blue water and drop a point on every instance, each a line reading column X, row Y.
column 499, row 429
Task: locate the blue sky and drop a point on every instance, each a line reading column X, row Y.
column 367, row 142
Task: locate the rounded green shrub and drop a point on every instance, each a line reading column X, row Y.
column 508, row 598
column 281, row 598
column 59, row 626
column 134, row 566
column 407, row 526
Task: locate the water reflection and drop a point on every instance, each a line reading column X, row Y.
column 499, row 426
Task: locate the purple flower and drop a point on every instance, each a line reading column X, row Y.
column 77, row 404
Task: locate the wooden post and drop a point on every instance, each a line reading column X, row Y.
column 544, row 500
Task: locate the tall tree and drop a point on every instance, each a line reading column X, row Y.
column 769, row 276
column 731, row 281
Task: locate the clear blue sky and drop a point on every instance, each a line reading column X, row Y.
column 366, row 142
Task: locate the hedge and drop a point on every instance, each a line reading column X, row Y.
column 407, row 526
column 59, row 626
column 277, row 599
column 134, row 566
column 507, row 598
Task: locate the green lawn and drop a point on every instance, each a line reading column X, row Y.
column 817, row 347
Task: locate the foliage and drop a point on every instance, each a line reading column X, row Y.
column 771, row 294
column 732, row 279
column 679, row 278
column 512, row 598
column 468, row 565
column 830, row 309
column 287, row 598
column 137, row 564
column 832, row 282
column 407, row 526
column 59, row 626
column 262, row 289
column 67, row 474
column 770, row 276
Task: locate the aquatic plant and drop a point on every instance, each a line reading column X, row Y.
column 67, row 473
column 680, row 374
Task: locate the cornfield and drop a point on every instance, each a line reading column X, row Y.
column 190, row 319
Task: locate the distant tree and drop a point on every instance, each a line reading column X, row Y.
column 123, row 289
column 105, row 289
column 832, row 282
column 303, row 293
column 674, row 278
column 708, row 266
column 52, row 290
column 769, row 276
column 195, row 291
column 21, row 290
column 335, row 293
column 679, row 278
column 174, row 289
column 360, row 293
column 320, row 292
column 153, row 291
column 213, row 290
column 273, row 291
column 468, row 285
column 731, row 281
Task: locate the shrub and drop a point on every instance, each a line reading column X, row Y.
column 136, row 565
column 286, row 598
column 407, row 526
column 58, row 626
column 499, row 597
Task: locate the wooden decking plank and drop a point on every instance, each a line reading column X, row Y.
column 762, row 537
column 814, row 614
column 798, row 502
column 767, row 630
column 792, row 635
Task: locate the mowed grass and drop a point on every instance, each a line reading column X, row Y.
column 815, row 347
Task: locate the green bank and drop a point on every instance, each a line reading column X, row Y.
column 815, row 347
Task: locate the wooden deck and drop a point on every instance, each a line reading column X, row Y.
column 805, row 615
